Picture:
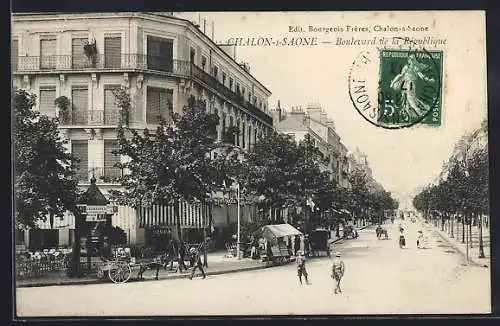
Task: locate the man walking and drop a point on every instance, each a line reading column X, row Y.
column 338, row 269
column 301, row 267
column 182, row 252
column 195, row 258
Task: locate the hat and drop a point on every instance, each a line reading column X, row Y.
column 337, row 254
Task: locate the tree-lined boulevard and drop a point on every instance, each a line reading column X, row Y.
column 380, row 278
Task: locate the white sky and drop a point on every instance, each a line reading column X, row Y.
column 401, row 160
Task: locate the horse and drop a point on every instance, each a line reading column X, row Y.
column 158, row 262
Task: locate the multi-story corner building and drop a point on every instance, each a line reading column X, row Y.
column 359, row 160
column 315, row 122
column 159, row 59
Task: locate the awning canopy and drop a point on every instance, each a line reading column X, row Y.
column 279, row 231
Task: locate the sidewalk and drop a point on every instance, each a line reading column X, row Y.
column 456, row 243
column 217, row 265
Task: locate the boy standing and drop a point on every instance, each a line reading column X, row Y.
column 301, row 267
column 338, row 269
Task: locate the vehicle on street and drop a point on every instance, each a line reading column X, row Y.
column 320, row 242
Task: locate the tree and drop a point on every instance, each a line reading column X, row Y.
column 43, row 170
column 358, row 197
column 173, row 164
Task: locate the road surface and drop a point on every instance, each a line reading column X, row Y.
column 380, row 278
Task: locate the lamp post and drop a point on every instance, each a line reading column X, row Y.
column 239, row 224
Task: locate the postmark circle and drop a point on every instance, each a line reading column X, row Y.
column 397, row 88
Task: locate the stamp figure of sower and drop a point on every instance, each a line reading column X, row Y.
column 405, row 82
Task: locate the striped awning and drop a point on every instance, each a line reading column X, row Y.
column 191, row 215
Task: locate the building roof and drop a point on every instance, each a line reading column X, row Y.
column 291, row 123
column 93, row 195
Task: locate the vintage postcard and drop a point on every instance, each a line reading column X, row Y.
column 250, row 163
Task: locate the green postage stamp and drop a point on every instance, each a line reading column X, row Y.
column 410, row 87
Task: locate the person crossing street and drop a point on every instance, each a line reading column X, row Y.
column 301, row 267
column 338, row 269
column 196, row 259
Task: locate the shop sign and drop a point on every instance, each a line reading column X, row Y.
column 96, row 218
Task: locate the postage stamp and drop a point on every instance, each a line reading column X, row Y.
column 409, row 87
column 398, row 88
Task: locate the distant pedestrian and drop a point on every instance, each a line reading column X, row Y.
column 301, row 267
column 196, row 260
column 338, row 269
column 296, row 245
column 420, row 240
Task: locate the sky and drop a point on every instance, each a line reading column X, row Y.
column 401, row 160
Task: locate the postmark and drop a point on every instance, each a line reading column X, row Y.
column 398, row 88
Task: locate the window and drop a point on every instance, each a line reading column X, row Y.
column 255, row 137
column 46, row 103
column 14, row 48
column 203, row 62
column 112, row 52
column 238, row 89
column 160, row 53
column 216, row 72
column 79, row 60
column 80, row 105
column 192, row 55
column 249, row 136
column 249, row 97
column 159, row 104
column 111, row 113
column 110, row 159
column 48, row 53
column 223, row 122
column 243, row 129
column 254, row 100
column 230, row 83
column 224, row 78
column 238, row 136
column 80, row 150
column 243, row 92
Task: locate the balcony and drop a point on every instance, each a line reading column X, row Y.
column 68, row 63
column 59, row 63
column 102, row 175
column 101, row 118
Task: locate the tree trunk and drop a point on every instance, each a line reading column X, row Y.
column 337, row 229
column 75, row 268
column 463, row 228
column 442, row 223
column 470, row 233
column 481, row 245
column 451, row 226
column 208, row 230
column 178, row 220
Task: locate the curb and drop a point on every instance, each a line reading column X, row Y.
column 458, row 248
column 173, row 277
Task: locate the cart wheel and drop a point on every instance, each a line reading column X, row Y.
column 119, row 272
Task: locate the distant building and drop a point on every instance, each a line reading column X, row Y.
column 315, row 122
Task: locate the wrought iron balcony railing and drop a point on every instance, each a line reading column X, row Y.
column 91, row 118
column 102, row 174
column 134, row 61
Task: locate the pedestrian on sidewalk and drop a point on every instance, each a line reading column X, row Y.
column 338, row 269
column 196, row 259
column 301, row 267
column 182, row 253
column 296, row 245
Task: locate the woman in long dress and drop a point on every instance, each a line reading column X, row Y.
column 405, row 82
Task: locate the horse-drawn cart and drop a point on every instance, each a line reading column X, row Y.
column 117, row 268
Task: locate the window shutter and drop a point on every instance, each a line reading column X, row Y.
column 14, row 53
column 79, row 60
column 110, row 109
column 79, row 99
column 48, row 52
column 153, row 105
column 111, row 159
column 165, row 102
column 80, row 150
column 112, row 52
column 47, row 99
